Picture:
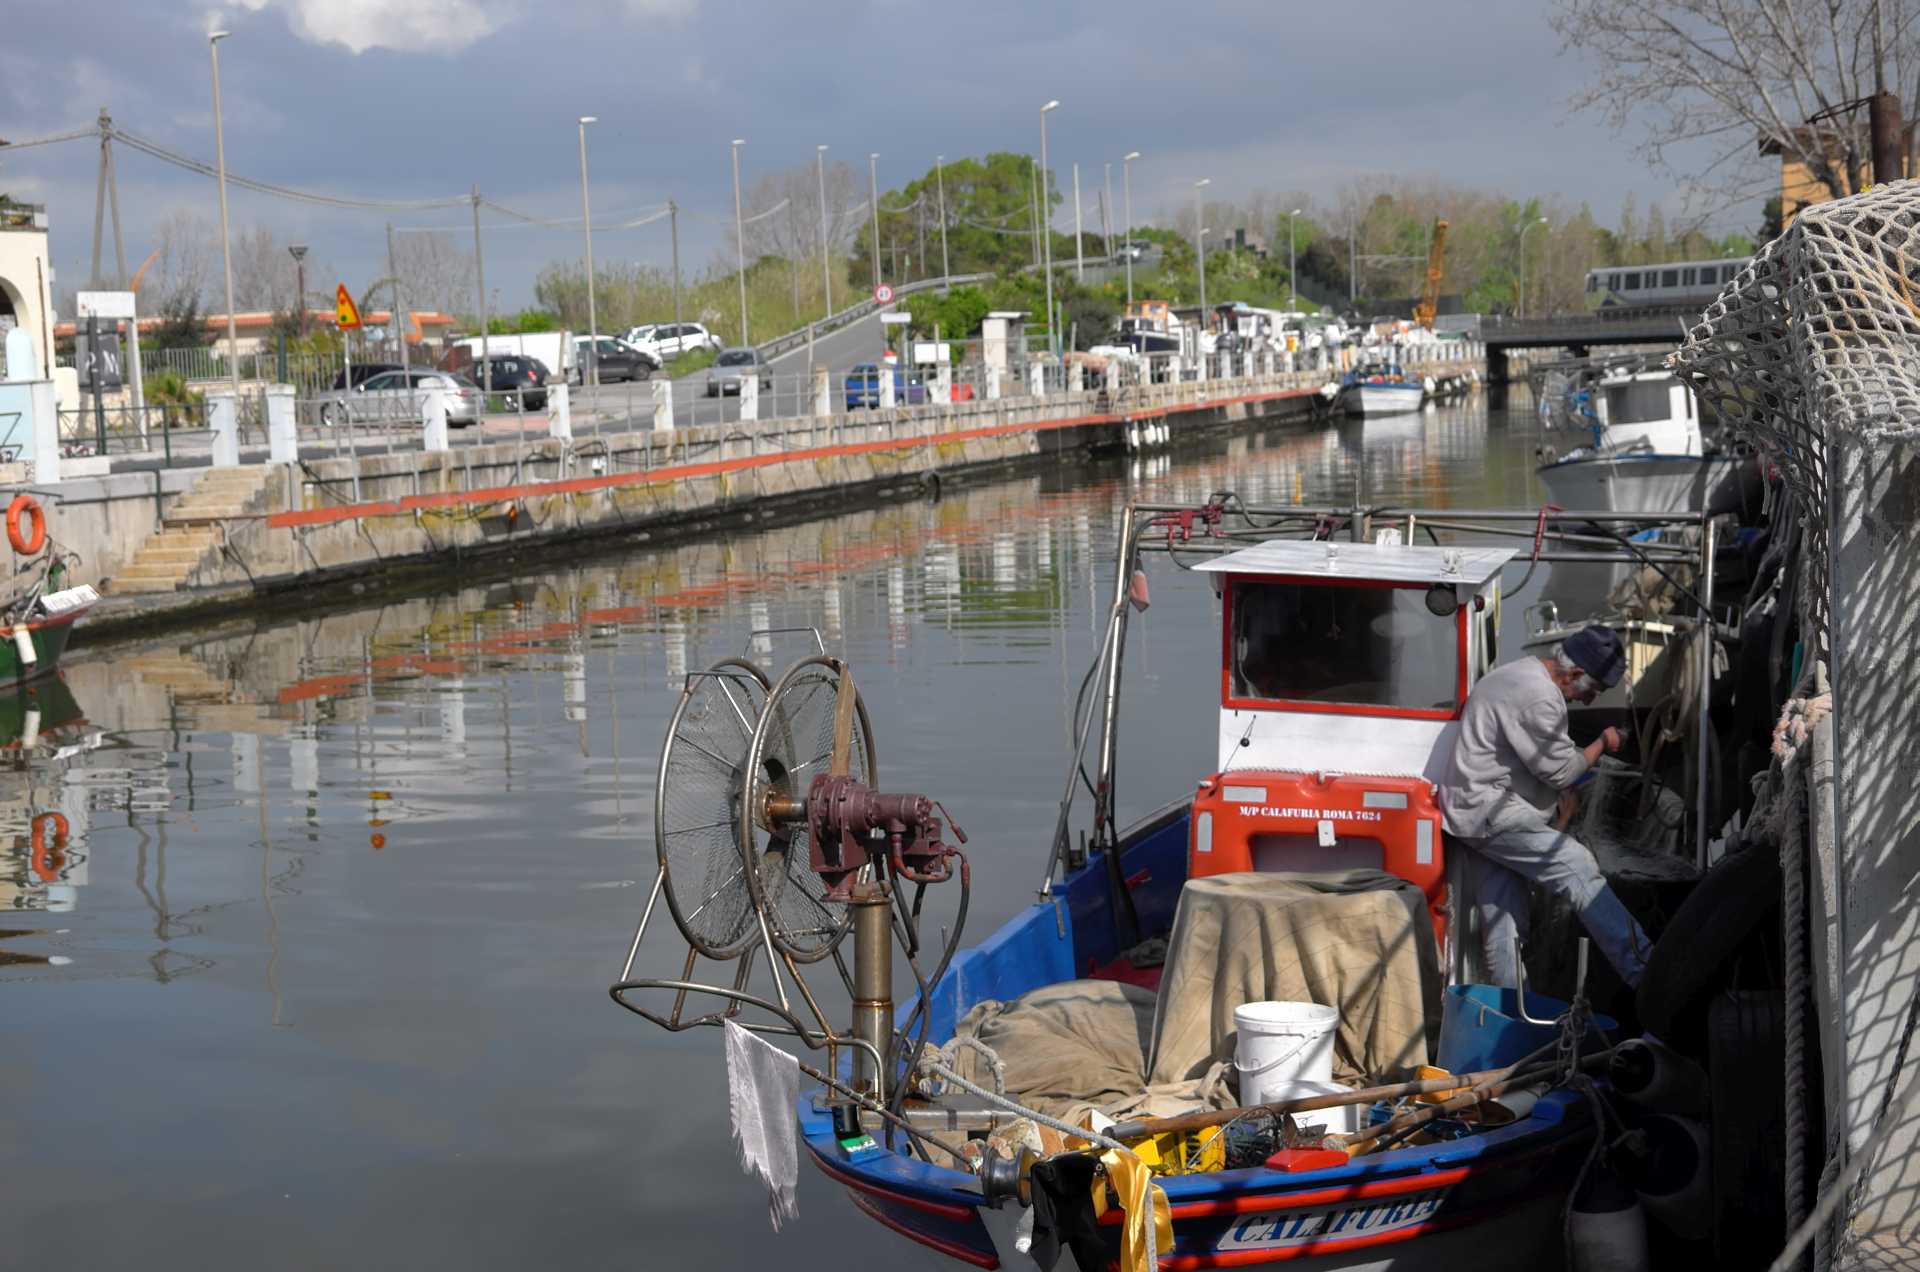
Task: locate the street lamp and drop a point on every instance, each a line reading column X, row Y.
column 940, row 181
column 826, row 272
column 1293, row 295
column 1126, row 180
column 1046, row 227
column 299, row 253
column 740, row 237
column 586, row 219
column 1523, row 263
column 1200, row 243
column 873, row 204
column 226, row 243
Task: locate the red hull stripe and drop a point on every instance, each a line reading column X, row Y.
column 966, row 1254
column 660, row 476
column 1258, row 1203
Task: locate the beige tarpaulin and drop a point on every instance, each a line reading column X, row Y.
column 1360, row 938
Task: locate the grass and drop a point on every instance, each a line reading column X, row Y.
column 689, row 362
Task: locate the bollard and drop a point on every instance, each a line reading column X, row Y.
column 750, row 397
column 223, row 418
column 886, row 387
column 433, row 421
column 1037, row 373
column 43, row 414
column 663, row 406
column 822, row 393
column 560, row 413
column 943, row 385
column 993, row 383
column 283, row 438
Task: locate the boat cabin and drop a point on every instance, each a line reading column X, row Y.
column 1344, row 670
column 1648, row 411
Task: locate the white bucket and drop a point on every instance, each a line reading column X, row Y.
column 1278, row 1042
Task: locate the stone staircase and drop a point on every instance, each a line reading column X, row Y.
column 191, row 534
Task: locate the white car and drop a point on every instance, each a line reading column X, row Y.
column 668, row 340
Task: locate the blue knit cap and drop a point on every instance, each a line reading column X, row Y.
column 1596, row 651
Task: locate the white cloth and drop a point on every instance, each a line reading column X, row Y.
column 763, row 1086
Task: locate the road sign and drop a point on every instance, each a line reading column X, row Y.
column 895, row 320
column 105, row 304
column 883, row 295
column 345, row 313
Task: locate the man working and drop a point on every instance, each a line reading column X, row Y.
column 1511, row 763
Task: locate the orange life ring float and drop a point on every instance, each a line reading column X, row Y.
column 49, row 861
column 26, row 506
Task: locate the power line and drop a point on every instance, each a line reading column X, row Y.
column 155, row 150
column 78, row 134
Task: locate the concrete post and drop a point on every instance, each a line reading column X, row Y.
column 750, row 398
column 993, row 383
column 663, row 406
column 822, row 392
column 44, row 407
column 433, row 421
column 1037, row 377
column 886, row 387
column 1113, row 378
column 943, row 385
column 223, row 418
column 283, row 438
column 1174, row 370
column 560, row 413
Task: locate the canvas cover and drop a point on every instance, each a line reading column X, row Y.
column 1356, row 940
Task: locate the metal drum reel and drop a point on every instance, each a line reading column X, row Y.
column 773, row 839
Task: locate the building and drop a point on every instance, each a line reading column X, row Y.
column 253, row 332
column 26, row 285
column 1799, row 188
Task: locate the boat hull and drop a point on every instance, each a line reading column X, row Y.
column 50, row 636
column 1380, row 399
column 1653, row 484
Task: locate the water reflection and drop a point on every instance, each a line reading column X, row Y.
column 388, row 857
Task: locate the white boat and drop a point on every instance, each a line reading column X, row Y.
column 1380, row 388
column 1646, row 453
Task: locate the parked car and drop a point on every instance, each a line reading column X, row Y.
column 863, row 387
column 668, row 340
column 396, row 396
column 362, row 372
column 734, row 366
column 553, row 349
column 617, row 361
column 524, row 378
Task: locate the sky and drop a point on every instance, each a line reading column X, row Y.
column 423, row 99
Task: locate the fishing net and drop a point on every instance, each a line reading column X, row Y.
column 1816, row 344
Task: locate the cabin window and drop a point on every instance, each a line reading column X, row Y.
column 1669, row 278
column 1633, row 281
column 1593, row 283
column 1362, row 646
column 1639, row 401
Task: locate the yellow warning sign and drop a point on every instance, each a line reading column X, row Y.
column 345, row 312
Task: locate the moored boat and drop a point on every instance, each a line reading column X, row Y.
column 1646, row 451
column 1380, row 388
column 39, row 619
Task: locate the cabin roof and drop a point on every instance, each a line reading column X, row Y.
column 1472, row 566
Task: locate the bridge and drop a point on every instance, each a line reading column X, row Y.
column 1580, row 334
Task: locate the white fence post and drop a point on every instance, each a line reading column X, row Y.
column 1037, row 373
column 822, row 392
column 283, row 438
column 223, row 418
column 433, row 421
column 943, row 385
column 750, row 397
column 886, row 387
column 663, row 406
column 43, row 410
column 560, row 413
column 993, row 383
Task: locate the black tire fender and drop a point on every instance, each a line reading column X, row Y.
column 1690, row 959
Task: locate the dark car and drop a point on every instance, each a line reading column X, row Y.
column 863, row 387
column 617, row 360
column 362, row 372
column 524, row 378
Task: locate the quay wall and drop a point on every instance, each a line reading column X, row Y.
column 318, row 523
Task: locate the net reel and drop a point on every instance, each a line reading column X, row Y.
column 773, row 839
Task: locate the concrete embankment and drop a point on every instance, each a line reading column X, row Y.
column 174, row 547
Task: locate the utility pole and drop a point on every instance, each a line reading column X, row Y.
column 480, row 281
column 873, row 201
column 1353, row 301
column 1126, row 181
column 1106, row 212
column 226, row 243
column 1079, row 240
column 739, row 238
column 940, row 181
column 1200, row 243
column 826, row 271
column 299, row 253
column 1883, row 113
column 1033, row 210
column 673, row 227
column 589, row 374
column 399, row 326
column 1046, row 226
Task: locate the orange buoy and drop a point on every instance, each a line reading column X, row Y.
column 49, row 859
column 26, row 506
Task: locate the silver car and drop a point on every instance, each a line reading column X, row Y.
column 734, row 366
column 395, row 397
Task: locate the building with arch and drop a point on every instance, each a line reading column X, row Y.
column 26, row 286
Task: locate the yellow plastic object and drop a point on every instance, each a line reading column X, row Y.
column 1426, row 1072
column 1183, row 1152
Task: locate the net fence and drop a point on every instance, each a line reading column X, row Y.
column 1816, row 345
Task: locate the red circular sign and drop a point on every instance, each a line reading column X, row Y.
column 883, row 294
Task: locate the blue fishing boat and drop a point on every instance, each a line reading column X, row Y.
column 980, row 1118
column 1380, row 388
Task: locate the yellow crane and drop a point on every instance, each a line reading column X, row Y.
column 1423, row 313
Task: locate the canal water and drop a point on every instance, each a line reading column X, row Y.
column 316, row 975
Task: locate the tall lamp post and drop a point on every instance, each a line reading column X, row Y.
column 226, row 243
column 1046, row 228
column 1126, row 180
column 740, row 238
column 299, row 253
column 1523, row 264
column 586, row 220
column 1200, row 244
column 826, row 271
column 1293, row 294
column 873, row 205
column 940, row 182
